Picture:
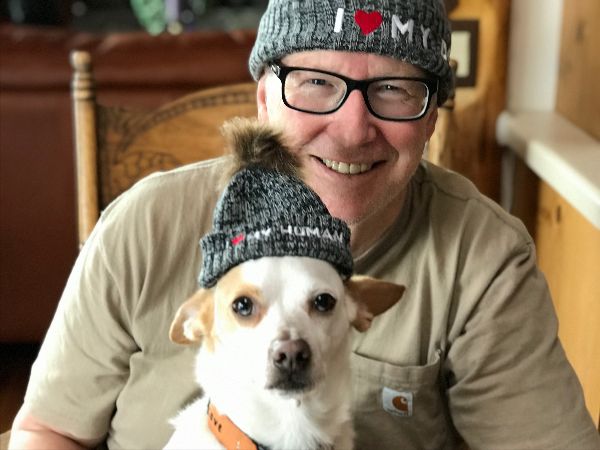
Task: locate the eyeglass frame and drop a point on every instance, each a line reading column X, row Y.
column 281, row 71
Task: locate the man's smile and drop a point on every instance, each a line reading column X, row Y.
column 347, row 168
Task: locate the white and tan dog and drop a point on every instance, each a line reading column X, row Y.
column 274, row 315
column 274, row 356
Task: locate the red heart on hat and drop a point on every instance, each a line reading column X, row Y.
column 236, row 240
column 368, row 22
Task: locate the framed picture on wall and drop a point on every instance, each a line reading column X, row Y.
column 465, row 47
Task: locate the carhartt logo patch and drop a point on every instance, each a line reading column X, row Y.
column 368, row 22
column 398, row 403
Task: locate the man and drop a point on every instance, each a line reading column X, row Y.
column 470, row 355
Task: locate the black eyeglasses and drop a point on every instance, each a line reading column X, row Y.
column 321, row 92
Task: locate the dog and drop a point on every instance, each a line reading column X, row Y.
column 274, row 316
column 274, row 355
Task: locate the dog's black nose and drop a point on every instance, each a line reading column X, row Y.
column 292, row 355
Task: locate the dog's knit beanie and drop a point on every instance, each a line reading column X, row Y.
column 266, row 212
column 415, row 31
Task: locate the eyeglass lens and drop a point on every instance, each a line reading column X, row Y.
column 321, row 93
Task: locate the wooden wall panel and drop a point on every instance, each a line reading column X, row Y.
column 578, row 97
column 474, row 151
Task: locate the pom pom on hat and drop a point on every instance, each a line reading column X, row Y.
column 267, row 210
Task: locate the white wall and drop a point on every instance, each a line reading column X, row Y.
column 533, row 54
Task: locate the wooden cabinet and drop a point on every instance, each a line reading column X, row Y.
column 569, row 255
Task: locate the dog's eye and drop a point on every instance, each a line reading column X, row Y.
column 324, row 302
column 243, row 306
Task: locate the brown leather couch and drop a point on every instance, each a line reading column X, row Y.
column 38, row 238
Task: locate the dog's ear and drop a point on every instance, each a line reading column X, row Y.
column 193, row 319
column 373, row 297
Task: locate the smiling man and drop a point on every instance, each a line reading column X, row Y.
column 469, row 356
column 359, row 147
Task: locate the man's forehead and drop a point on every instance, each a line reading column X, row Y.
column 350, row 62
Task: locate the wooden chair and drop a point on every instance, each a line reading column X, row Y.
column 115, row 146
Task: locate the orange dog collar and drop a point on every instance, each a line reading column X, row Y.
column 227, row 432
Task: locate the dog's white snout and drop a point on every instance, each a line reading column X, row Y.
column 291, row 355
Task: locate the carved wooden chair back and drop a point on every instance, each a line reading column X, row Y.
column 115, row 147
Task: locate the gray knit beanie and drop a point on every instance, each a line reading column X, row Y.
column 263, row 212
column 415, row 31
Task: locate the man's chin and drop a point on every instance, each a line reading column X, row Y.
column 351, row 216
column 358, row 205
column 367, row 209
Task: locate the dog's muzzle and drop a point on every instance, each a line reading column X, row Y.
column 290, row 363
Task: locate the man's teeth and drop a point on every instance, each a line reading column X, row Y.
column 345, row 168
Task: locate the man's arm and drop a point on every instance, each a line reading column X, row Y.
column 82, row 364
column 30, row 433
column 510, row 384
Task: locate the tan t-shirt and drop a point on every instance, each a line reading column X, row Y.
column 471, row 351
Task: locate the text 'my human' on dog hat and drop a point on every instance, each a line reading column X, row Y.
column 266, row 210
column 415, row 31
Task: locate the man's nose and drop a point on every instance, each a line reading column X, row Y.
column 354, row 122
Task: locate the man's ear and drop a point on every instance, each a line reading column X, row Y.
column 431, row 118
column 194, row 319
column 373, row 297
column 261, row 99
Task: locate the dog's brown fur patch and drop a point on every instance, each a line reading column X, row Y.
column 230, row 287
column 194, row 319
